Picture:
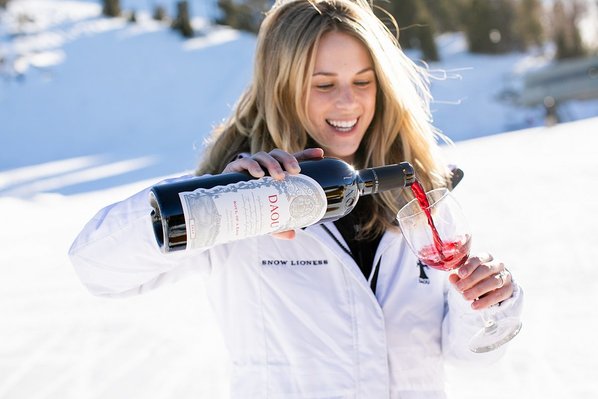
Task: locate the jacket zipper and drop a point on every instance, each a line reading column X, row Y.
column 373, row 278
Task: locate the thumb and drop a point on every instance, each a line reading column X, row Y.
column 309, row 153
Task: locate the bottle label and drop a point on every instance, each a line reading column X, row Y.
column 251, row 208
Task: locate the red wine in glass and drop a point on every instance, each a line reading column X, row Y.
column 441, row 255
column 449, row 256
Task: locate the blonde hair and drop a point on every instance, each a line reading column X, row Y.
column 272, row 111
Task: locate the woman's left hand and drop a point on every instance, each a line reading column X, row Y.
column 483, row 280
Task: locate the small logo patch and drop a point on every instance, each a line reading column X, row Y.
column 423, row 277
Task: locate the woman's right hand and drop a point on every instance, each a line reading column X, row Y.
column 275, row 162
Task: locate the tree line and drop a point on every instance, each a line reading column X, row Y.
column 490, row 26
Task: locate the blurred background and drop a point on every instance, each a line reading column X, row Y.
column 113, row 91
column 101, row 98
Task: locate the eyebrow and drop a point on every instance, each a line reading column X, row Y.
column 334, row 74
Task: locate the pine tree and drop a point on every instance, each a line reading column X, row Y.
column 490, row 26
column 245, row 15
column 426, row 37
column 182, row 21
column 160, row 13
column 506, row 17
column 415, row 24
column 565, row 32
column 529, row 23
column 132, row 17
column 405, row 13
column 111, row 8
column 446, row 14
column 477, row 26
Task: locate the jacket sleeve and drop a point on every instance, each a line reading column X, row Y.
column 461, row 322
column 116, row 253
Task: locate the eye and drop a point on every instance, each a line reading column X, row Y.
column 362, row 83
column 324, row 86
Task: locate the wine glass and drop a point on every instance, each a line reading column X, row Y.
column 437, row 231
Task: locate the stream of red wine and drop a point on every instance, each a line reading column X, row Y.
column 445, row 255
column 424, row 204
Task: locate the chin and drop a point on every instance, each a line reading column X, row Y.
column 348, row 157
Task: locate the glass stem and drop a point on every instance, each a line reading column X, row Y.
column 488, row 319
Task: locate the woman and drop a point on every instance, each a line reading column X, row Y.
column 339, row 310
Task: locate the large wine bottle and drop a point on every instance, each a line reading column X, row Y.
column 207, row 210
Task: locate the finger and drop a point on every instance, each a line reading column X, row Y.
column 285, row 235
column 245, row 165
column 270, row 163
column 493, row 297
column 482, row 272
column 472, row 263
column 502, row 277
column 453, row 278
column 485, row 281
column 288, row 161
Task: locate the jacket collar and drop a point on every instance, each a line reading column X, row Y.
column 348, row 263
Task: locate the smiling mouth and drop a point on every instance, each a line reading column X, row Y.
column 343, row 126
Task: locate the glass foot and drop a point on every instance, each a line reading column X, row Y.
column 494, row 335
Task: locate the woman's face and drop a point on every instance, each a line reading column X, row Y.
column 342, row 96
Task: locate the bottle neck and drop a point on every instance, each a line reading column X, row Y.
column 383, row 178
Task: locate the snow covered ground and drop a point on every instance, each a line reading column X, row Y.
column 103, row 108
column 530, row 196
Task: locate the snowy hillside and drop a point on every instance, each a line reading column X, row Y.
column 97, row 102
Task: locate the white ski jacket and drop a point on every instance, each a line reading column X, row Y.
column 298, row 317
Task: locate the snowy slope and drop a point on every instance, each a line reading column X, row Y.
column 525, row 194
column 96, row 102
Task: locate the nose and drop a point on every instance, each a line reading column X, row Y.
column 346, row 98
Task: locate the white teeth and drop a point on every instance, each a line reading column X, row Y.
column 343, row 124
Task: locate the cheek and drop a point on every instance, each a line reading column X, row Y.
column 373, row 104
column 368, row 102
column 371, row 99
column 315, row 109
column 312, row 120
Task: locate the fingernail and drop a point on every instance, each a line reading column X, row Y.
column 279, row 175
column 462, row 272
